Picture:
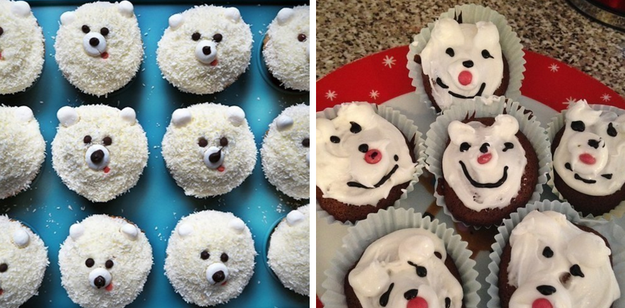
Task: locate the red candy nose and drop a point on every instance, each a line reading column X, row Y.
column 541, row 303
column 465, row 78
column 373, row 156
column 484, row 158
column 417, row 302
column 587, row 159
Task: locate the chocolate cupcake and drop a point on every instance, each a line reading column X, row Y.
column 368, row 157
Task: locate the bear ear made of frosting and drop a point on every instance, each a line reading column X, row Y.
column 460, row 132
column 181, row 117
column 370, row 280
column 237, row 225
column 126, row 8
column 233, row 14
column 21, row 239
column 487, row 34
column 24, row 114
column 185, row 229
column 175, row 21
column 505, row 126
column 129, row 115
column 284, row 122
column 20, row 8
column 284, row 16
column 76, row 231
column 67, row 116
column 236, row 115
column 130, row 230
column 68, row 18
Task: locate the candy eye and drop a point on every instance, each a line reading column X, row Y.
column 218, row 37
column 3, row 267
column 449, row 51
column 306, row 142
column 224, row 257
column 464, row 147
column 107, row 140
column 205, row 255
column 611, row 130
column 202, row 142
column 109, row 264
column 89, row 262
column 104, row 31
column 486, row 54
column 301, row 37
column 85, row 29
column 196, row 36
column 87, row 139
column 223, row 141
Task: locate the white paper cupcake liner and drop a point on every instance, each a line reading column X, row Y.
column 610, row 230
column 382, row 223
column 471, row 13
column 407, row 128
column 553, row 128
column 437, row 137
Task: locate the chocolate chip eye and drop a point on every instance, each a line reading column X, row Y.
column 104, row 31
column 547, row 252
column 223, row 141
column 355, row 128
column 464, row 147
column 218, row 37
column 449, row 51
column 1, row 30
column 202, row 142
column 85, row 29
column 611, row 130
column 335, row 139
column 578, row 126
column 109, row 264
column 306, row 142
column 508, row 146
column 205, row 255
column 89, row 262
column 196, row 36
column 87, row 139
column 107, row 140
column 3, row 267
column 486, row 54
column 301, row 37
column 224, row 257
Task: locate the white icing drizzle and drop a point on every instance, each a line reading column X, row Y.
column 593, row 171
column 341, row 163
column 499, row 170
column 531, row 268
column 387, row 261
column 466, row 57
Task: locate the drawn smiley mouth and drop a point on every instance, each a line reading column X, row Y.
column 441, row 84
column 587, row 181
column 379, row 183
column 477, row 184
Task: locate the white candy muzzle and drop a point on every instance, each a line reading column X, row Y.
column 100, row 278
column 217, row 274
column 97, row 157
column 206, row 52
column 213, row 157
column 94, row 44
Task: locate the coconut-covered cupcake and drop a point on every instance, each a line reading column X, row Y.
column 99, row 151
column 289, row 252
column 488, row 160
column 286, row 48
column 98, row 46
column 367, row 159
column 205, row 49
column 21, row 47
column 104, row 262
column 469, row 51
column 210, row 258
column 209, row 149
column 588, row 164
column 22, row 149
column 23, row 262
column 285, row 152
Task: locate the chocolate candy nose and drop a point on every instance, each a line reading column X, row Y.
column 214, row 158
column 465, row 78
column 97, row 156
column 485, row 158
column 219, row 277
column 587, row 159
column 94, row 42
column 373, row 156
column 542, row 303
column 99, row 282
column 417, row 302
column 206, row 50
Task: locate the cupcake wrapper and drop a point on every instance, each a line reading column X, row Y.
column 382, row 223
column 471, row 13
column 610, row 230
column 554, row 126
column 407, row 128
column 437, row 136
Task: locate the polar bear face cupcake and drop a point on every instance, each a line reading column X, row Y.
column 104, row 262
column 210, row 257
column 22, row 149
column 21, row 47
column 209, row 149
column 23, row 262
column 205, row 49
column 99, row 151
column 98, row 46
column 285, row 152
column 286, row 48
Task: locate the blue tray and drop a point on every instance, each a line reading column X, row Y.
column 156, row 203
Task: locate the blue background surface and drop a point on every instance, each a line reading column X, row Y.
column 156, row 203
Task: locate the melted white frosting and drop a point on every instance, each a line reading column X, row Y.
column 466, row 58
column 593, row 171
column 387, row 261
column 497, row 171
column 343, row 162
column 546, row 248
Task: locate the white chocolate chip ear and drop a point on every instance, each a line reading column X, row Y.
column 284, row 15
column 21, row 238
column 185, row 229
column 181, row 117
column 131, row 231
column 126, row 8
column 68, row 18
column 76, row 231
column 236, row 115
column 294, row 217
column 233, row 14
column 20, row 8
column 24, row 114
column 237, row 225
column 175, row 21
column 129, row 115
column 67, row 116
column 284, row 122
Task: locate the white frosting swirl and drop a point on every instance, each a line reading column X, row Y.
column 462, row 60
column 360, row 156
column 589, row 155
column 405, row 263
column 553, row 260
column 484, row 164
